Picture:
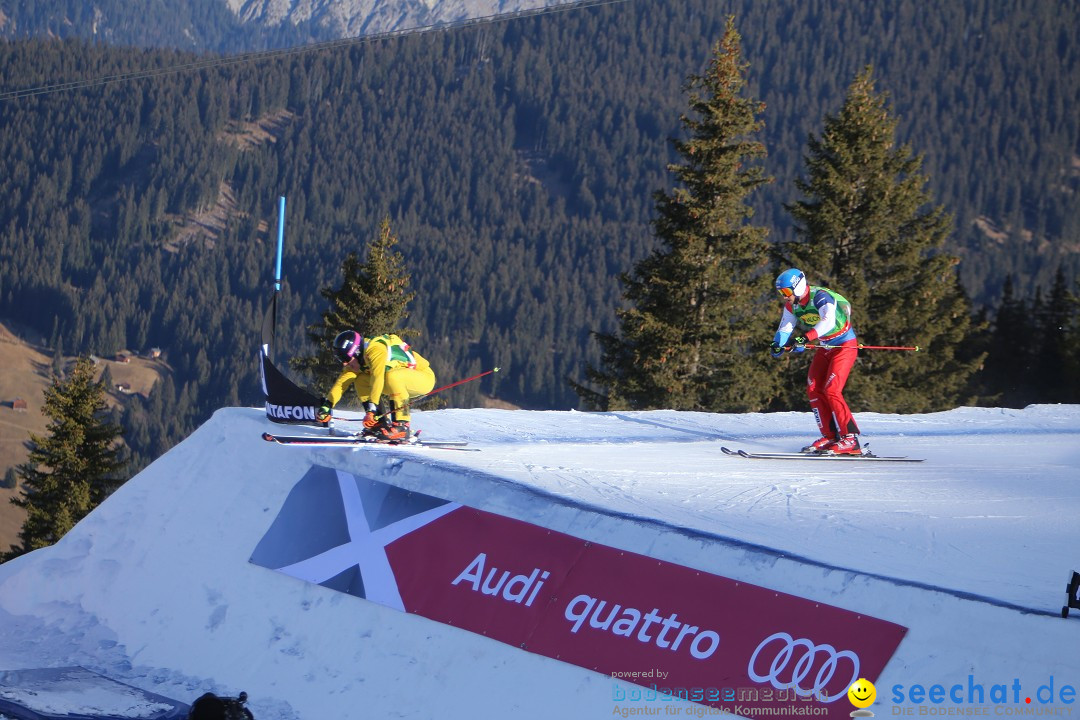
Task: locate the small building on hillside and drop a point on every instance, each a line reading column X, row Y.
column 18, row 404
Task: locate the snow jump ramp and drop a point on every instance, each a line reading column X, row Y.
column 382, row 582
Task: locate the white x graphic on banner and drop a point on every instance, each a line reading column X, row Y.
column 366, row 548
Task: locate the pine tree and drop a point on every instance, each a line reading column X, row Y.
column 691, row 339
column 1070, row 347
column 58, row 359
column 106, row 379
column 1050, row 379
column 75, row 467
column 373, row 299
column 1008, row 361
column 1033, row 348
column 867, row 231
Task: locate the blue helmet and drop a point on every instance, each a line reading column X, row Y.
column 791, row 284
column 348, row 345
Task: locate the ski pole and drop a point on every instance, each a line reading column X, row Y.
column 912, row 348
column 453, row 384
column 421, row 398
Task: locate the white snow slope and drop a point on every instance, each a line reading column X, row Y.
column 970, row 550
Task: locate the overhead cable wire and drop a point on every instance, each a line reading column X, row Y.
column 223, row 61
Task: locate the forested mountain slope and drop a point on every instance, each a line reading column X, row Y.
column 516, row 161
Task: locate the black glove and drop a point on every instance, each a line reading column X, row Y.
column 776, row 349
column 799, row 344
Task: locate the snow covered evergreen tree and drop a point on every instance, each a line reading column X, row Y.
column 701, row 302
column 75, row 467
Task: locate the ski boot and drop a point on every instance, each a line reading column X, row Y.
column 846, row 445
column 395, row 432
column 818, row 445
column 377, row 431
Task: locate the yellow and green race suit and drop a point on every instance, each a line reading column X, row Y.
column 388, row 367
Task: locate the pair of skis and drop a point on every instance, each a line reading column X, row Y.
column 361, row 441
column 865, row 457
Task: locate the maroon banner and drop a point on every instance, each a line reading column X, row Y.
column 677, row 631
column 470, row 569
column 670, row 630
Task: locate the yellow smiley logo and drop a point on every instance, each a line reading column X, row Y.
column 862, row 693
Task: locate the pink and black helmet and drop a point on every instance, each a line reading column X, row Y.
column 348, row 345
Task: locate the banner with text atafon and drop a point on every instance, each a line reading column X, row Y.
column 672, row 629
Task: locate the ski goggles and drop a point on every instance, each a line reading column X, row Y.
column 786, row 292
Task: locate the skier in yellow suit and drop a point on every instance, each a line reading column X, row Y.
column 379, row 366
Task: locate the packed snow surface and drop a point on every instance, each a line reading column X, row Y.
column 970, row 549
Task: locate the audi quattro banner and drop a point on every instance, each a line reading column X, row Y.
column 677, row 631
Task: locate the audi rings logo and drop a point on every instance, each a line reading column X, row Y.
column 793, row 661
